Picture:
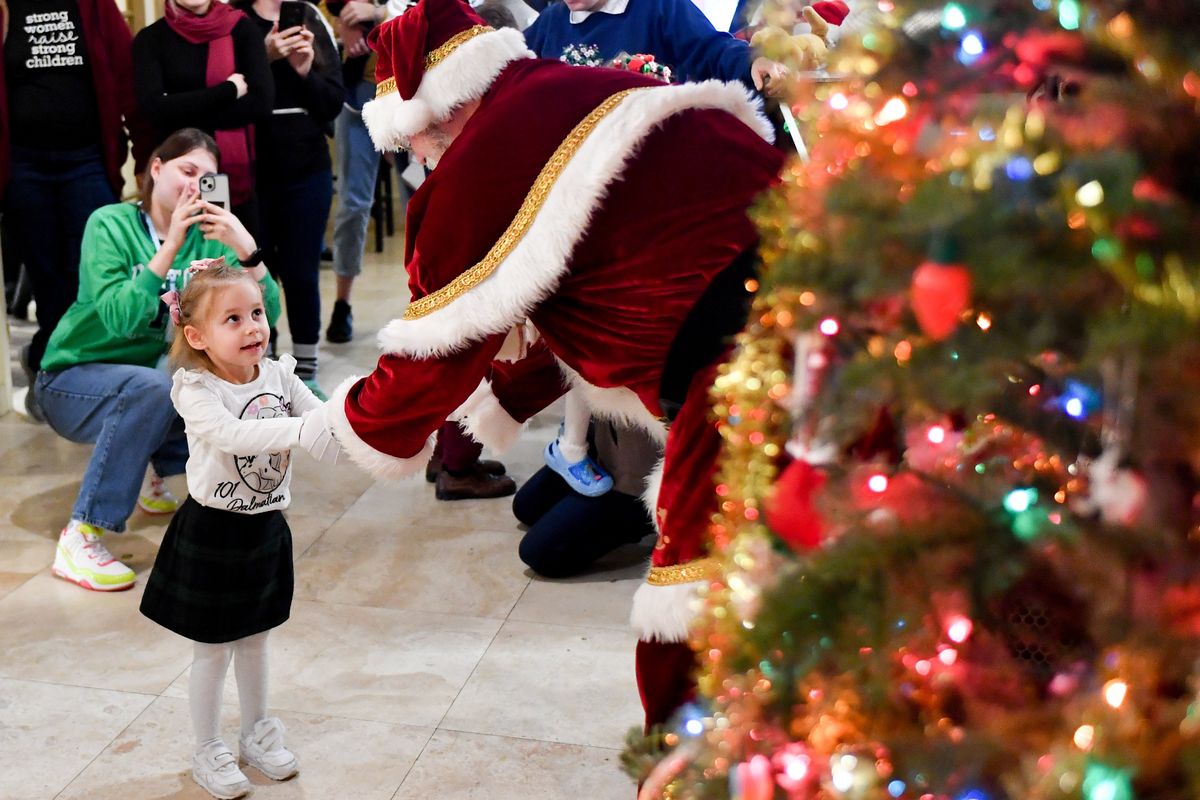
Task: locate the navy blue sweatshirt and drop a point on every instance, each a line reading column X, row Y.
column 675, row 32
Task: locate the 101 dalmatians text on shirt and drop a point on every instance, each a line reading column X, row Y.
column 240, row 435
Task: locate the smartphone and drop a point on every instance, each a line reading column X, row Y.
column 291, row 14
column 214, row 188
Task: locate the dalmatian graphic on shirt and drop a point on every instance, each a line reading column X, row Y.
column 264, row 472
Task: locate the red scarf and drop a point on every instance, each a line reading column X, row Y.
column 216, row 30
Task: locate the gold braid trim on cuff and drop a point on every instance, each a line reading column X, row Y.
column 436, row 57
column 516, row 230
column 687, row 572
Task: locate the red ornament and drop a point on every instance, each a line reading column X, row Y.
column 790, row 511
column 940, row 295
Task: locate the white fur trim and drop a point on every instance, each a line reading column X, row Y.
column 379, row 464
column 653, row 487
column 665, row 613
column 486, row 420
column 391, row 119
column 617, row 403
column 461, row 77
column 532, row 270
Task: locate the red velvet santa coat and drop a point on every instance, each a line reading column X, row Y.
column 604, row 249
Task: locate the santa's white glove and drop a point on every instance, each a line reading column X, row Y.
column 317, row 438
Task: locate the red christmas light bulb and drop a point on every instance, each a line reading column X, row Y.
column 941, row 292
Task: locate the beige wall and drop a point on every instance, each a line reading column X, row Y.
column 140, row 13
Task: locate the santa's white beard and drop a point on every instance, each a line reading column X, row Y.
column 439, row 142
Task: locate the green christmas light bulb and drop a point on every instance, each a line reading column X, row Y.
column 1068, row 14
column 1105, row 782
column 1019, row 500
column 953, row 17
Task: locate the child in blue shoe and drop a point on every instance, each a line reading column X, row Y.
column 568, row 454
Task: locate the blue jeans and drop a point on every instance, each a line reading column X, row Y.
column 127, row 412
column 50, row 196
column 357, row 168
column 293, row 214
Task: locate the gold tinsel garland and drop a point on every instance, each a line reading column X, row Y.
column 748, row 399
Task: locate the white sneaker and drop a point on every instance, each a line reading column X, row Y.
column 82, row 558
column 215, row 768
column 155, row 497
column 264, row 750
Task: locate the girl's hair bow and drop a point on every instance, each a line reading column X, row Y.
column 204, row 263
column 171, row 298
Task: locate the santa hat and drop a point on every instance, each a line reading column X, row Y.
column 434, row 58
column 834, row 11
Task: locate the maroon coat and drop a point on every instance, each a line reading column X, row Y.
column 110, row 47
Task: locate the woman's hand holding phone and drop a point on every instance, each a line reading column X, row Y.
column 301, row 57
column 220, row 224
column 186, row 214
column 281, row 44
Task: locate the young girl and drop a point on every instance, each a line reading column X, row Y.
column 223, row 577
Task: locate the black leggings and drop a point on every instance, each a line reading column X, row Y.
column 569, row 532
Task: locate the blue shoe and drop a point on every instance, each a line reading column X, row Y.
column 586, row 477
column 315, row 388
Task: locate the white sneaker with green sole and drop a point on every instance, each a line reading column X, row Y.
column 155, row 497
column 82, row 558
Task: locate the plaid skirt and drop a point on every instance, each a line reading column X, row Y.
column 221, row 576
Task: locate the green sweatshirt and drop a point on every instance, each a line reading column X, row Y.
column 118, row 317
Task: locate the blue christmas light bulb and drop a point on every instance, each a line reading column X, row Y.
column 970, row 49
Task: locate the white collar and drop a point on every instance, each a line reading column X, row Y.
column 608, row 7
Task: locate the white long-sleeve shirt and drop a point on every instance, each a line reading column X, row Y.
column 240, row 435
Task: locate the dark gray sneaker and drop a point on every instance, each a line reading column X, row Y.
column 32, row 407
column 341, row 323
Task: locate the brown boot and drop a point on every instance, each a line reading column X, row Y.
column 477, row 484
column 435, row 466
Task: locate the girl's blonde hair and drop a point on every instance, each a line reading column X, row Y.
column 194, row 302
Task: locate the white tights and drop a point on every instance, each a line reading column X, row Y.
column 573, row 441
column 209, row 664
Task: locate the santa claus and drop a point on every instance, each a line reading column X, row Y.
column 600, row 209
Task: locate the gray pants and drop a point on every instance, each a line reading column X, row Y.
column 357, row 167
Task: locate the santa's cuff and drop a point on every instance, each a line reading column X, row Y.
column 486, row 420
column 376, row 462
column 666, row 605
column 664, row 613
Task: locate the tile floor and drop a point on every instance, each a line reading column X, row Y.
column 422, row 658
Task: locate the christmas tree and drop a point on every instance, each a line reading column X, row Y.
column 957, row 505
